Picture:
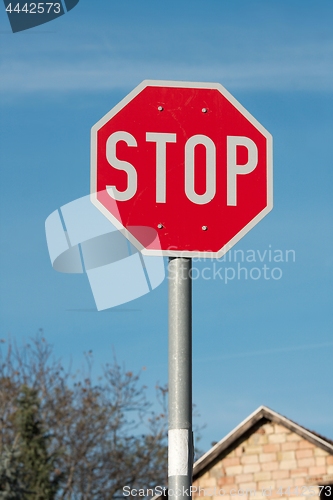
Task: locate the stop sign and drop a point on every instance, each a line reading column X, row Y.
column 181, row 168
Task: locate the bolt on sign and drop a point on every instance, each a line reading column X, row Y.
column 181, row 168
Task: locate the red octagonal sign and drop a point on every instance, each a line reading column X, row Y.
column 181, row 168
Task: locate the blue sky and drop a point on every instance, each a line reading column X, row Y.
column 254, row 341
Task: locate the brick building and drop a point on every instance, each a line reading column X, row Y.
column 267, row 455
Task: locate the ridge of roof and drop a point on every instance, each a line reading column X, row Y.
column 261, row 413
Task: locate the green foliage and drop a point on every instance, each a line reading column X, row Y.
column 11, row 479
column 38, row 465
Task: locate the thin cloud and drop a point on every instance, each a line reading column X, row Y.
column 288, row 68
column 110, row 75
column 264, row 352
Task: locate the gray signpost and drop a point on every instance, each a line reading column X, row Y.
column 180, row 461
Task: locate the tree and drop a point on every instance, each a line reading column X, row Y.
column 85, row 439
column 39, row 471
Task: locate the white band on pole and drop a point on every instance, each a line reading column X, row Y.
column 178, row 452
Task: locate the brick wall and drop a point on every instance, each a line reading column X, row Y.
column 271, row 458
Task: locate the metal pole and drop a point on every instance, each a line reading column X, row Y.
column 180, row 446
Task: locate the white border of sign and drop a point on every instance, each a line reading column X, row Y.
column 114, row 220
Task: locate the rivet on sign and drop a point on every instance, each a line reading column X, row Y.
column 204, row 228
column 160, row 108
column 160, row 226
column 204, row 110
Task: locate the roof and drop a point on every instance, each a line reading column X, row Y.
column 258, row 418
